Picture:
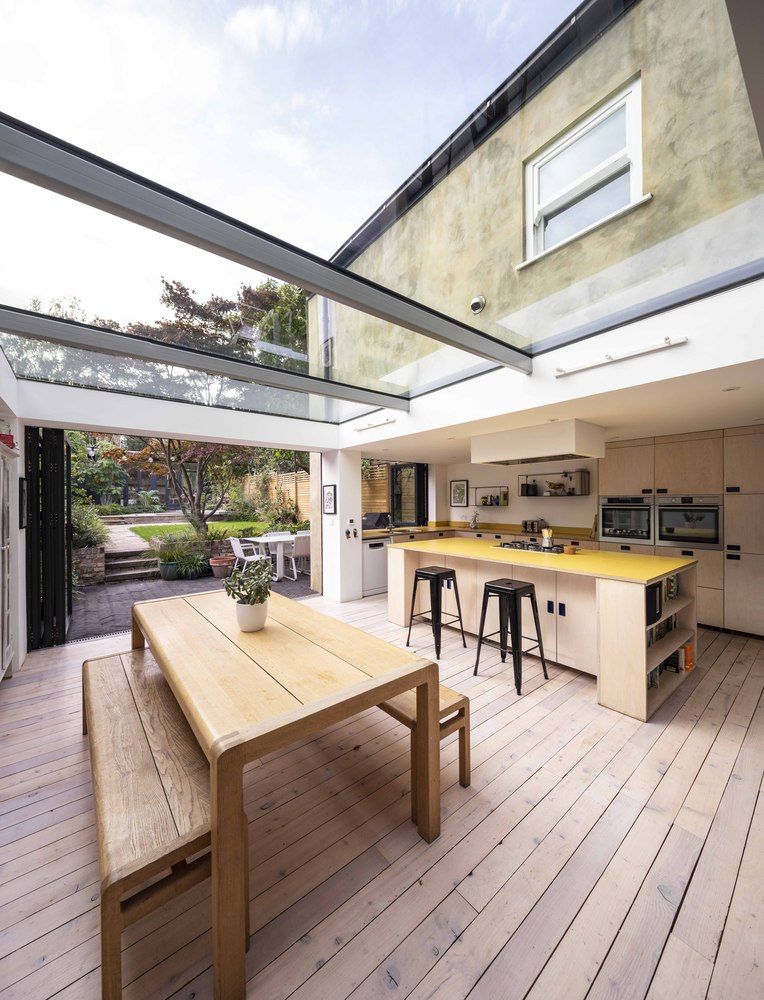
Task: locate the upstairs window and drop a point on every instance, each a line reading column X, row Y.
column 587, row 175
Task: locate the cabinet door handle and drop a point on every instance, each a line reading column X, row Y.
column 479, row 535
column 687, row 552
column 647, row 491
column 561, row 608
column 661, row 491
column 550, row 607
column 732, row 557
column 733, row 489
column 626, row 548
column 377, row 545
column 734, row 548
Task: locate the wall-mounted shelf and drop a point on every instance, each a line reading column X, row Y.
column 495, row 496
column 566, row 484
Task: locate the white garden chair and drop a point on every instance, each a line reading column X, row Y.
column 245, row 553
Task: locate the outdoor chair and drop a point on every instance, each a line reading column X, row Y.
column 300, row 553
column 245, row 553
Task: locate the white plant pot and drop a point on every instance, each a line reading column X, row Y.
column 251, row 617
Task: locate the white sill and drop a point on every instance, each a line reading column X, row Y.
column 582, row 232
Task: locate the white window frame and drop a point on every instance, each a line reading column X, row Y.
column 630, row 156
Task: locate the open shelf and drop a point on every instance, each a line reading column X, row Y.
column 656, row 696
column 671, row 608
column 665, row 647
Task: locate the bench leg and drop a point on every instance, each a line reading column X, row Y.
column 111, row 947
column 414, row 784
column 84, row 708
column 465, row 762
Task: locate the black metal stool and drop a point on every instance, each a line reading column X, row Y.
column 509, row 593
column 436, row 576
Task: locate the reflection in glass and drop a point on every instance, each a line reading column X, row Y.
column 590, row 208
column 584, row 154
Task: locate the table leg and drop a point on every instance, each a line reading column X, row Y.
column 138, row 640
column 230, row 868
column 428, row 756
column 279, row 562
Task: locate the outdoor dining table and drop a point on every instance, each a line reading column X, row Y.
column 276, row 542
column 247, row 694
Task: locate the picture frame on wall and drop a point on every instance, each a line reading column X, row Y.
column 460, row 489
column 330, row 499
column 22, row 502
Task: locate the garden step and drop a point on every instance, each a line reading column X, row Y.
column 121, row 576
column 139, row 562
column 113, row 555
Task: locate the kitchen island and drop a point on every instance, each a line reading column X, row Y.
column 592, row 607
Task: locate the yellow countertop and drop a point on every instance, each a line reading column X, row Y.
column 606, row 565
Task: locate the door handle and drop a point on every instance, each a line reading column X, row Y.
column 550, row 607
column 561, row 608
column 687, row 552
column 732, row 557
column 377, row 545
column 647, row 491
column 733, row 489
column 734, row 548
column 661, row 491
column 626, row 548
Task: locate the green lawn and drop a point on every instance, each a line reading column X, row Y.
column 147, row 531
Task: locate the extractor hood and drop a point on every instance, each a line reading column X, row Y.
column 554, row 441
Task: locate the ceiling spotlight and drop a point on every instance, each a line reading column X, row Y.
column 477, row 304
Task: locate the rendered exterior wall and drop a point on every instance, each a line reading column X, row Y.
column 701, row 158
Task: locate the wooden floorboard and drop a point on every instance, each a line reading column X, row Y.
column 592, row 855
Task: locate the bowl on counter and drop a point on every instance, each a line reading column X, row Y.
column 570, row 550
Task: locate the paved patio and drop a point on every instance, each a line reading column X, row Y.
column 105, row 608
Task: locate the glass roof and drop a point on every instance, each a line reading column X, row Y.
column 98, row 269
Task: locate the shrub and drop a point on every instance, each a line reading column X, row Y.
column 108, row 508
column 146, row 502
column 174, row 548
column 291, row 526
column 87, row 527
column 252, row 584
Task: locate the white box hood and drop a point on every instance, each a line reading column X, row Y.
column 563, row 439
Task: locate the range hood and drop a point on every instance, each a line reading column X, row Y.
column 558, row 441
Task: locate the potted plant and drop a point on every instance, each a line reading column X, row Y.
column 221, row 566
column 171, row 553
column 250, row 588
column 191, row 563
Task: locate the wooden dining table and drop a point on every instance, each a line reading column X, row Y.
column 246, row 694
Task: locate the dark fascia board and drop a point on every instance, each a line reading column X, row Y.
column 49, row 162
column 582, row 28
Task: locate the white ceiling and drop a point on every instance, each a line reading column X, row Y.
column 674, row 406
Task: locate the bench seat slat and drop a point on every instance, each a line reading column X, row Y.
column 403, row 706
column 183, row 769
column 132, row 812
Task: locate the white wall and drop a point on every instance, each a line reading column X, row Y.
column 569, row 512
column 341, row 554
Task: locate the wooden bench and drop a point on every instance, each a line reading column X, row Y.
column 151, row 788
column 454, row 716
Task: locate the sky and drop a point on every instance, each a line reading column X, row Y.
column 297, row 116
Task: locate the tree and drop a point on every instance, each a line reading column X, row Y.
column 95, row 471
column 202, row 475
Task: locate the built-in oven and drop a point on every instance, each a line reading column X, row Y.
column 696, row 522
column 627, row 518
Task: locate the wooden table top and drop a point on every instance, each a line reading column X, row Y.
column 229, row 681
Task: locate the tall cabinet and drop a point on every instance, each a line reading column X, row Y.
column 744, row 529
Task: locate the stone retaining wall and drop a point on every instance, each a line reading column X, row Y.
column 89, row 565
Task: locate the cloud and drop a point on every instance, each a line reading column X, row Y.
column 258, row 27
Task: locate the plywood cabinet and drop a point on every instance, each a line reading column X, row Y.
column 689, row 464
column 744, row 522
column 710, row 563
column 710, row 604
column 744, row 460
column 635, row 550
column 627, row 469
column 576, row 613
column 466, row 579
column 546, row 596
column 744, row 593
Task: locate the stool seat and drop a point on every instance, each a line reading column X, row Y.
column 436, row 577
column 510, row 593
column 428, row 572
column 506, row 586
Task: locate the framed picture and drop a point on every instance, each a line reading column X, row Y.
column 330, row 499
column 22, row 502
column 459, row 492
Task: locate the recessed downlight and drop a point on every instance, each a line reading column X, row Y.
column 731, row 388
